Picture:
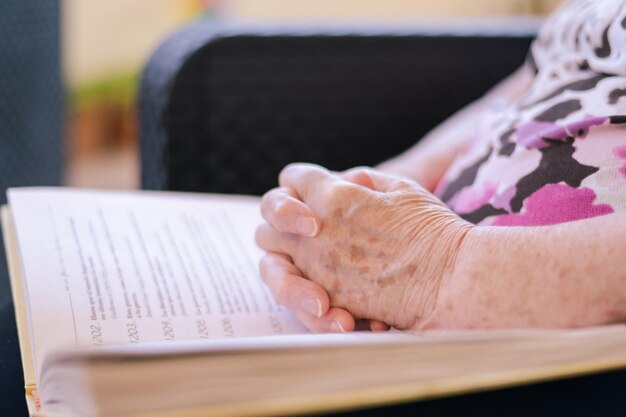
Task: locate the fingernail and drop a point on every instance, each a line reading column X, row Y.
column 378, row 327
column 312, row 306
column 307, row 226
column 336, row 327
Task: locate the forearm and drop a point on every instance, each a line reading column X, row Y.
column 567, row 275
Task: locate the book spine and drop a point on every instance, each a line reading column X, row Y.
column 32, row 396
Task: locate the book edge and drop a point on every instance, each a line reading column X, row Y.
column 358, row 399
column 158, row 194
column 16, row 279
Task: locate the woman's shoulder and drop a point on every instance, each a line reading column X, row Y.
column 583, row 34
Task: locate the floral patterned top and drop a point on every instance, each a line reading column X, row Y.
column 558, row 153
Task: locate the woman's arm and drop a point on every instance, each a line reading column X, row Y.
column 428, row 160
column 387, row 249
column 567, row 275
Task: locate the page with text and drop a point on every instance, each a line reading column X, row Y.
column 106, row 268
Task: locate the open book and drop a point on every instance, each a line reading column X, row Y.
column 136, row 304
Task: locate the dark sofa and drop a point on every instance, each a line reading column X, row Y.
column 225, row 106
column 31, row 124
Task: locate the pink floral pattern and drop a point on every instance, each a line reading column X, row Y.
column 557, row 153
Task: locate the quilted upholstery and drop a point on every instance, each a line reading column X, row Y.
column 223, row 109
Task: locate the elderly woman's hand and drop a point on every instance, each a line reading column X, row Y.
column 361, row 244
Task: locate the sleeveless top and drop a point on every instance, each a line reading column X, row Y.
column 557, row 153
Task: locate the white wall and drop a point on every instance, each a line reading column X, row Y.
column 381, row 9
column 104, row 37
column 108, row 37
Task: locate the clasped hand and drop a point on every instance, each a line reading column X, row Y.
column 356, row 245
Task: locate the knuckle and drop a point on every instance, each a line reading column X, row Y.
column 274, row 194
column 288, row 170
column 259, row 236
column 266, row 203
column 340, row 192
column 361, row 170
column 401, row 184
column 283, row 207
column 278, row 205
column 300, row 171
column 362, row 177
column 264, row 266
column 268, row 197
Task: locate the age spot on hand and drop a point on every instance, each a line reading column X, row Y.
column 357, row 253
column 372, row 240
column 386, row 281
column 364, row 269
column 338, row 213
column 333, row 258
column 411, row 268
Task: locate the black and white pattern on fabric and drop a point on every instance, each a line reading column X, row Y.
column 537, row 146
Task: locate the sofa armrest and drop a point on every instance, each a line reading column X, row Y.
column 223, row 107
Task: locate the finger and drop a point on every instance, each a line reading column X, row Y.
column 290, row 289
column 282, row 209
column 378, row 181
column 306, row 299
column 305, row 179
column 336, row 320
column 359, row 176
column 271, row 240
column 378, row 326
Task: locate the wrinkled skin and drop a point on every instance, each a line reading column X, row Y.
column 361, row 244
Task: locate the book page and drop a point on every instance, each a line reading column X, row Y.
column 106, row 268
column 21, row 315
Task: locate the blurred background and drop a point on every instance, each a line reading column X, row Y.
column 70, row 72
column 105, row 43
